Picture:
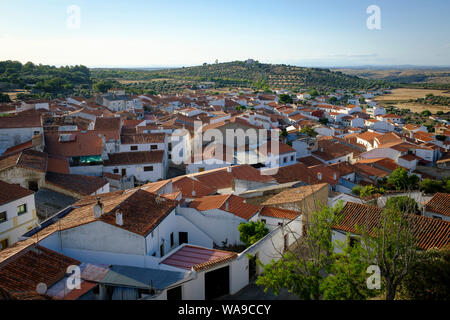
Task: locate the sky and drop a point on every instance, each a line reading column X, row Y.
column 148, row 33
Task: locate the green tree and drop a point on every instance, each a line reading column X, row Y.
column 4, row 97
column 403, row 204
column 400, row 179
column 309, row 131
column 302, row 271
column 429, row 278
column 347, row 278
column 285, row 98
column 252, row 232
column 390, row 245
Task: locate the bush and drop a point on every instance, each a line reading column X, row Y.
column 252, row 232
column 403, row 204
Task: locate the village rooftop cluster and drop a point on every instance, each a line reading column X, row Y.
column 93, row 183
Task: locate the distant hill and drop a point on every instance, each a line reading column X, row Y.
column 275, row 76
column 242, row 74
column 423, row 76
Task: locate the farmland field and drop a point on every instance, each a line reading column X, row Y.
column 400, row 98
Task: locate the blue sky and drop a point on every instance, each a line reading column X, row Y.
column 183, row 32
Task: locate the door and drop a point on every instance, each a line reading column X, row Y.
column 33, row 185
column 217, row 283
column 183, row 237
column 124, row 172
column 174, row 293
column 252, row 268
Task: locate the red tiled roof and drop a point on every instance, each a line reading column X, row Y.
column 197, row 258
column 28, row 159
column 279, row 213
column 187, row 186
column 440, row 203
column 10, row 192
column 85, row 144
column 139, row 157
column 230, row 203
column 142, row 211
column 21, row 121
column 428, row 232
column 143, row 138
column 80, row 184
column 34, row 265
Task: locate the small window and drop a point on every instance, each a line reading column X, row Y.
column 153, row 147
column 3, row 244
column 172, row 240
column 353, row 241
column 22, row 209
column 116, row 170
column 263, row 221
column 133, row 148
column 280, row 224
column 2, row 216
column 148, row 168
column 124, row 172
column 292, row 158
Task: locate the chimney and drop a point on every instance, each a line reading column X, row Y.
column 226, row 205
column 98, row 209
column 334, row 176
column 319, row 176
column 119, row 218
column 229, row 169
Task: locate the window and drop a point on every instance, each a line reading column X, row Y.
column 292, row 158
column 133, row 148
column 116, row 170
column 153, row 147
column 33, row 185
column 353, row 241
column 182, row 237
column 172, row 240
column 161, row 250
column 3, row 217
column 148, row 168
column 124, row 172
column 35, row 133
column 201, row 169
column 3, row 244
column 280, row 224
column 22, row 209
column 263, row 221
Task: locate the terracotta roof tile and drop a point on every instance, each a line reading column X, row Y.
column 230, row 203
column 197, row 258
column 139, row 157
column 429, row 232
column 279, row 213
column 10, row 192
column 440, row 203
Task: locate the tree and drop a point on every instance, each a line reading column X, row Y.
column 285, row 98
column 348, row 273
column 390, row 245
column 401, row 181
column 252, row 232
column 309, row 131
column 303, row 271
column 429, row 278
column 4, row 97
column 403, row 204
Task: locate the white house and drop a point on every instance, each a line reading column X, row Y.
column 17, row 213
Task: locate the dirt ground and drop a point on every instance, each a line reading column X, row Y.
column 400, row 98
